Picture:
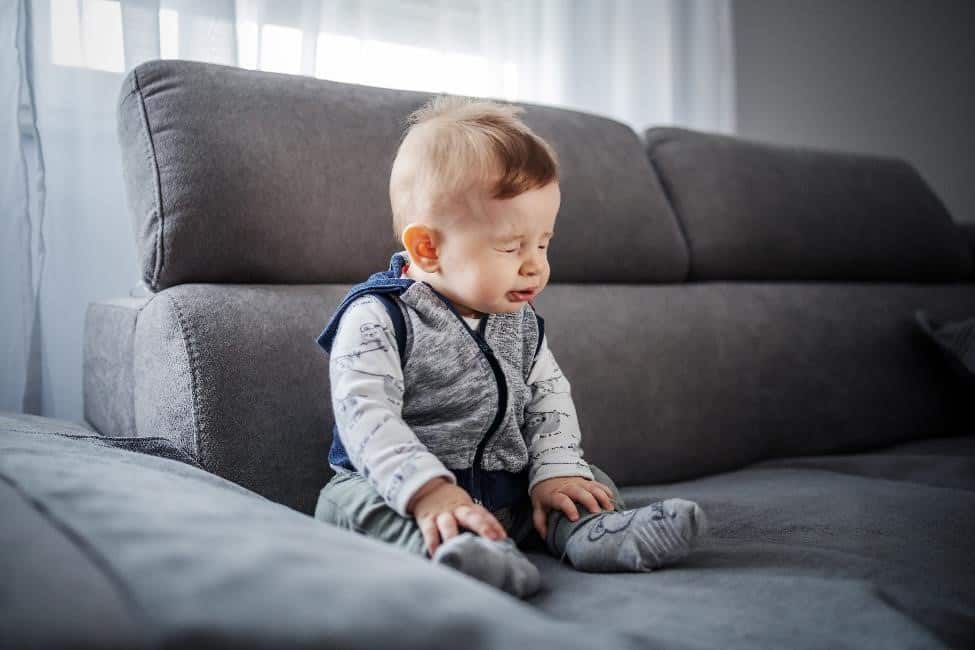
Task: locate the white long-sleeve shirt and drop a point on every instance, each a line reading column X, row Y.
column 367, row 399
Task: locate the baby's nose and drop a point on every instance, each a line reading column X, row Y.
column 531, row 268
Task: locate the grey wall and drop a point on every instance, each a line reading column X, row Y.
column 889, row 77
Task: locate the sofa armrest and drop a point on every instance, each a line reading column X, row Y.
column 108, row 372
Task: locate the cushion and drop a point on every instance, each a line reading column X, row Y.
column 676, row 382
column 108, row 350
column 670, row 382
column 956, row 340
column 107, row 547
column 868, row 550
column 237, row 175
column 752, row 210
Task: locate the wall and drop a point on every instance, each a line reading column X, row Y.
column 892, row 78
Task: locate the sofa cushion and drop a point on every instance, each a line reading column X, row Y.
column 670, row 382
column 162, row 554
column 237, row 175
column 108, row 352
column 956, row 340
column 233, row 374
column 842, row 551
column 674, row 382
column 756, row 211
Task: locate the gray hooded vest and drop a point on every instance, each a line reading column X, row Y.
column 465, row 390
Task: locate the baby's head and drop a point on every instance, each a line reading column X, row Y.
column 475, row 194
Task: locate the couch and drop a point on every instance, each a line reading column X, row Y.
column 737, row 320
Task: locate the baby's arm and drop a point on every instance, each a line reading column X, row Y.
column 557, row 477
column 551, row 426
column 367, row 400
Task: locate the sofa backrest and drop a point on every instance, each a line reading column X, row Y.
column 698, row 331
column 758, row 211
column 236, row 175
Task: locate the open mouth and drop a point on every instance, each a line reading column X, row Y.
column 521, row 295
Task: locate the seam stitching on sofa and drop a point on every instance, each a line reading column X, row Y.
column 677, row 217
column 127, row 95
column 86, row 436
column 191, row 356
column 131, row 423
column 88, row 550
column 160, row 249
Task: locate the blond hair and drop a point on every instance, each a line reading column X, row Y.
column 458, row 148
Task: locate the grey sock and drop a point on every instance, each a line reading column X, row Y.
column 641, row 539
column 497, row 562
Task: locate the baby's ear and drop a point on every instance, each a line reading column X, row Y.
column 421, row 243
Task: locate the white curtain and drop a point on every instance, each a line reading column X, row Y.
column 67, row 239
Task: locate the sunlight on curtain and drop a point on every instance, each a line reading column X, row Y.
column 642, row 62
column 89, row 35
column 661, row 61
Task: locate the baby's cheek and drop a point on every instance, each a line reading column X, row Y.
column 490, row 287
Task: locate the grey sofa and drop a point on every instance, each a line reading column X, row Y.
column 737, row 320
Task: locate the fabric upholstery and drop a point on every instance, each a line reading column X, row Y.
column 131, row 550
column 968, row 232
column 51, row 590
column 233, row 374
column 957, row 340
column 107, row 358
column 673, row 382
column 161, row 554
column 237, row 175
column 755, row 211
column 669, row 381
column 868, row 550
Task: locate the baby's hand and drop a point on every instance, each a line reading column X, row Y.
column 559, row 492
column 440, row 506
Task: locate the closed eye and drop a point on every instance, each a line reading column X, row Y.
column 515, row 250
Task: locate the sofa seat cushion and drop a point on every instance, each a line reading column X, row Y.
column 858, row 550
column 105, row 547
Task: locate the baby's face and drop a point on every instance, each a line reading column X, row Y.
column 497, row 259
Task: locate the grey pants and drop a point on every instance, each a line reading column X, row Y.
column 349, row 501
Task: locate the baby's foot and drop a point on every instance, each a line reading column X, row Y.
column 641, row 539
column 497, row 562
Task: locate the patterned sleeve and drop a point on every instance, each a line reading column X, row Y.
column 367, row 400
column 551, row 426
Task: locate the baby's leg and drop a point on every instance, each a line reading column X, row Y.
column 639, row 539
column 350, row 501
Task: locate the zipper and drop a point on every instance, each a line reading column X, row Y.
column 502, row 392
column 502, row 402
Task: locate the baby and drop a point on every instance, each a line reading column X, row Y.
column 455, row 432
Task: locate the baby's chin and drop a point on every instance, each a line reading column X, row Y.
column 511, row 308
column 505, row 305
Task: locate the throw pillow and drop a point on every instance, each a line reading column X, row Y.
column 956, row 341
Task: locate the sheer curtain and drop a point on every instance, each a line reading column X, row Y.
column 66, row 236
